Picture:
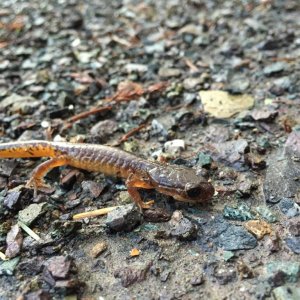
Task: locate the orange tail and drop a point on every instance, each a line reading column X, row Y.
column 27, row 149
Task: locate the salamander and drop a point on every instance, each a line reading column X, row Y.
column 180, row 182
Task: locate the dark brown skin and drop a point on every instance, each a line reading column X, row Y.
column 179, row 182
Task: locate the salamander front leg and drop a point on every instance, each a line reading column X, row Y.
column 36, row 181
column 133, row 184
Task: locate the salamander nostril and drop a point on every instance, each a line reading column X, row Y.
column 194, row 192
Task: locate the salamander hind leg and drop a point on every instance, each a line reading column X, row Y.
column 37, row 177
column 133, row 183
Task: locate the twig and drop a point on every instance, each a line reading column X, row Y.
column 85, row 114
column 131, row 133
column 94, row 213
column 29, row 231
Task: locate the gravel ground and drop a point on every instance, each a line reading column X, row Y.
column 212, row 85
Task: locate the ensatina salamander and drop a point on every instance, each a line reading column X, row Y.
column 177, row 181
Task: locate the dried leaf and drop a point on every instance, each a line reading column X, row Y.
column 221, row 104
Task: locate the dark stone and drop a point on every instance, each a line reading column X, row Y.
column 294, row 244
column 32, row 266
column 37, row 295
column 294, row 227
column 236, row 238
column 156, row 215
column 11, row 199
column 7, row 167
column 289, row 207
column 279, row 182
column 224, row 274
column 277, row 279
column 197, row 280
column 104, row 129
column 129, row 275
column 124, row 218
column 93, row 188
column 291, row 270
column 182, row 228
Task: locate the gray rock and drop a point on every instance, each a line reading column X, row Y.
column 8, row 267
column 274, row 68
column 191, row 83
column 11, row 199
column 236, row 238
column 294, row 244
column 280, row 177
column 7, row 167
column 231, row 153
column 266, row 114
column 31, row 213
column 286, row 293
column 104, row 129
column 14, row 241
column 124, row 218
column 289, row 207
column 202, row 40
column 182, row 228
column 238, row 85
column 59, row 266
column 158, row 128
column 294, row 227
column 169, row 72
column 138, row 68
column 18, row 103
column 283, row 83
column 158, row 47
column 292, row 144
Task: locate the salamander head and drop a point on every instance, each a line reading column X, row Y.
column 181, row 183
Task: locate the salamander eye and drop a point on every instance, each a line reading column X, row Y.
column 194, row 192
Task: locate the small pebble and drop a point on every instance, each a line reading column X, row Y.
column 98, row 249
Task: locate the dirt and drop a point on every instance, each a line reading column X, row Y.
column 211, row 85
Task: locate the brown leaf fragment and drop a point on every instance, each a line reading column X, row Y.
column 130, row 276
column 127, row 91
column 17, row 24
column 157, row 87
column 258, row 227
column 14, row 241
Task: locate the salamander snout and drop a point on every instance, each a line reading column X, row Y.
column 203, row 191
